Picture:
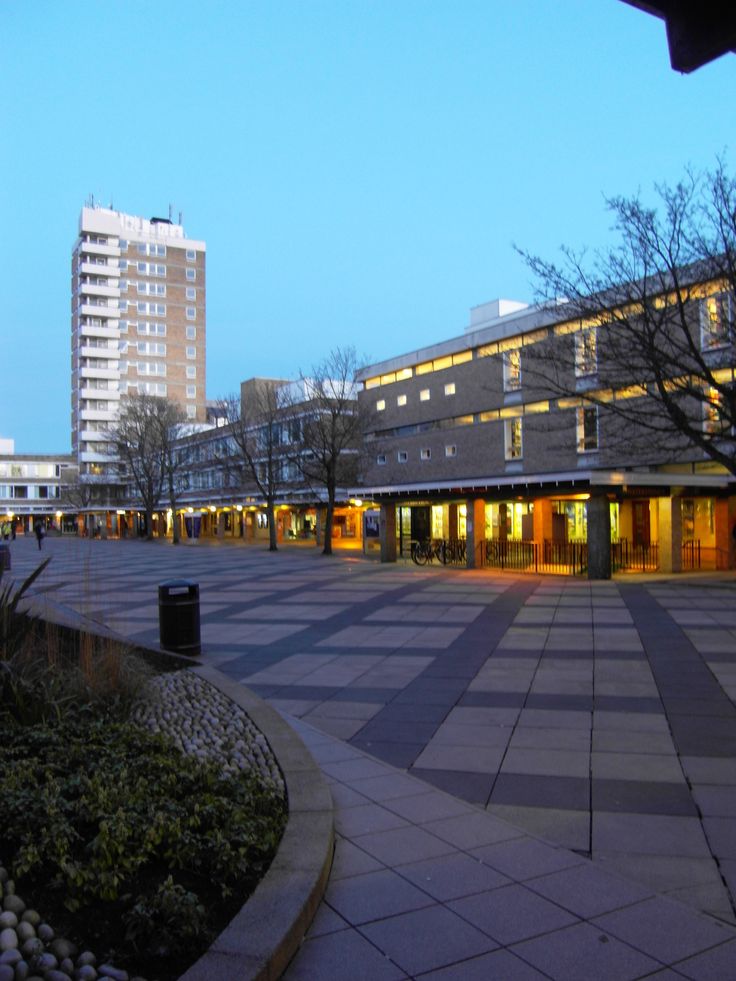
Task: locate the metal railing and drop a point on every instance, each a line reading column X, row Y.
column 690, row 553
column 508, row 553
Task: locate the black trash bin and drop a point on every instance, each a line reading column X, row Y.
column 178, row 616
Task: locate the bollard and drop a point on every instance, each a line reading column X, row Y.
column 178, row 616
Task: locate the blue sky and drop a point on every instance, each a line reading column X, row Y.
column 359, row 170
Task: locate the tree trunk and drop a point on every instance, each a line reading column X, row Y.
column 174, row 518
column 329, row 518
column 149, row 524
column 272, row 539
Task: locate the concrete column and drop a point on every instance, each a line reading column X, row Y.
column 451, row 521
column 320, row 527
column 725, row 532
column 670, row 534
column 542, row 520
column 599, row 537
column 475, row 522
column 387, row 532
column 502, row 518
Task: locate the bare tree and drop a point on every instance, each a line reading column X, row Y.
column 171, row 424
column 327, row 428
column 651, row 346
column 79, row 495
column 254, row 435
column 143, row 439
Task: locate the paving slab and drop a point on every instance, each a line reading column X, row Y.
column 511, row 659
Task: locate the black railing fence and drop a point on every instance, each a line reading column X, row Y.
column 562, row 558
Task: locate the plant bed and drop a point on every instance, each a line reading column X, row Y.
column 128, row 846
column 123, row 841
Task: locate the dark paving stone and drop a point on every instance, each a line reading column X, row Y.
column 640, row 797
column 625, row 703
column 704, row 736
column 398, row 732
column 413, row 713
column 472, row 787
column 379, row 695
column 401, row 755
column 425, row 683
column 710, row 707
column 492, row 699
column 582, row 703
column 526, row 790
column 673, row 658
column 312, row 693
column 433, row 696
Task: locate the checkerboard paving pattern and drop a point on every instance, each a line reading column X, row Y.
column 599, row 715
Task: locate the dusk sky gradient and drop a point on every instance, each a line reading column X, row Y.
column 360, row 171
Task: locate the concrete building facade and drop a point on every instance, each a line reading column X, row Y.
column 471, row 450
column 138, row 324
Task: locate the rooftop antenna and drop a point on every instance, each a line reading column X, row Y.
column 180, row 217
column 169, row 211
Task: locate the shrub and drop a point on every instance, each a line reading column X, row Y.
column 100, row 816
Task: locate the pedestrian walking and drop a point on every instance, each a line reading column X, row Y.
column 40, row 532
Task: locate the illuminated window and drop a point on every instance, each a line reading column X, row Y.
column 512, row 370
column 401, row 399
column 587, row 428
column 425, row 454
column 715, row 321
column 451, row 450
column 513, row 438
column 586, row 351
column 450, row 388
column 424, row 395
column 380, row 405
column 714, row 421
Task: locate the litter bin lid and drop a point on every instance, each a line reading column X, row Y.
column 177, row 583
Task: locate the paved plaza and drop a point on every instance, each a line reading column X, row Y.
column 484, row 735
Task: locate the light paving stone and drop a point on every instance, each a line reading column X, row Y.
column 427, row 939
column 631, row 722
column 374, row 896
column 324, row 958
column 649, row 834
column 587, row 890
column 663, row 929
column 462, row 758
column 636, row 766
column 616, row 741
column 472, row 715
column 453, row 876
column 544, row 737
column 547, row 762
column 455, row 734
column 582, row 953
column 571, row 829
